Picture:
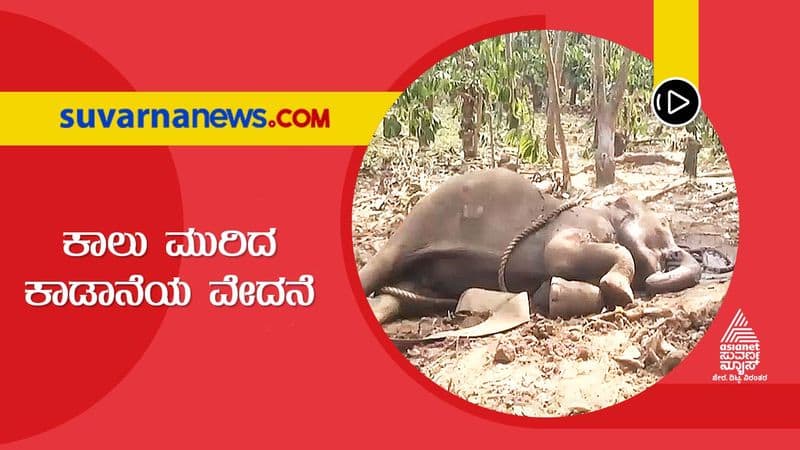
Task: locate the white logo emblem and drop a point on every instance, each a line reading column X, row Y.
column 739, row 351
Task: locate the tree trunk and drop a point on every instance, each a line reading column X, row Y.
column 468, row 125
column 621, row 83
column 690, row 158
column 598, row 85
column 604, row 155
column 491, row 140
column 550, row 133
column 467, row 95
column 479, row 123
column 424, row 143
column 561, row 44
column 563, row 144
column 606, row 110
column 558, row 67
column 537, row 97
column 513, row 121
column 555, row 105
column 573, row 91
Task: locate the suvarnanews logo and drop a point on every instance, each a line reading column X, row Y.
column 222, row 118
column 739, row 353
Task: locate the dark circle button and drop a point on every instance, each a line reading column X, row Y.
column 676, row 102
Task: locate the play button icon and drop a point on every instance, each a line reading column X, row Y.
column 684, row 102
column 676, row 102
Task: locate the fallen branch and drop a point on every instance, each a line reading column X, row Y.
column 719, row 173
column 721, row 197
column 667, row 189
column 644, row 159
column 645, row 141
column 640, row 159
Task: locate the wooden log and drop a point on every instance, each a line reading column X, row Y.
column 645, row 159
column 721, row 197
column 719, row 173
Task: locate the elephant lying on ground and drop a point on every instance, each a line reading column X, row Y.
column 455, row 237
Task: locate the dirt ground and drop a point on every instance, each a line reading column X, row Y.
column 561, row 367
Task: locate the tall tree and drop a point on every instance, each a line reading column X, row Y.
column 606, row 110
column 554, row 103
column 469, row 96
column 558, row 69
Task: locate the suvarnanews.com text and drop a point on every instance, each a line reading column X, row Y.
column 194, row 118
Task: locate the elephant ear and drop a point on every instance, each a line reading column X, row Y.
column 630, row 206
column 635, row 231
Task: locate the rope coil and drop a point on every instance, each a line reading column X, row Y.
column 535, row 226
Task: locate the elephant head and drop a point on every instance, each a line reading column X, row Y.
column 661, row 266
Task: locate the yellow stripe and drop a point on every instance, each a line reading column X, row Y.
column 676, row 40
column 34, row 118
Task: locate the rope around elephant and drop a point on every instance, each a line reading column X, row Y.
column 414, row 297
column 535, row 226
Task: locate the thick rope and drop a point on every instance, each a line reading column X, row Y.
column 535, row 226
column 412, row 297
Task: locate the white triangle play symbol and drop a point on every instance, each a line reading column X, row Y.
column 683, row 104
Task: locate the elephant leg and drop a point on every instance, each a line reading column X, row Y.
column 385, row 307
column 558, row 297
column 574, row 255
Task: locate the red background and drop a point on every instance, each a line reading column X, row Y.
column 249, row 377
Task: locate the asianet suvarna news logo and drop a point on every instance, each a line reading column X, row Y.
column 193, row 118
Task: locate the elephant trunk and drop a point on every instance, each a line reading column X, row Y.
column 378, row 270
column 685, row 272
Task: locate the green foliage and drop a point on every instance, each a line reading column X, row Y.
column 501, row 75
column 391, row 126
column 498, row 75
column 414, row 108
column 578, row 59
column 634, row 113
column 529, row 145
column 640, row 75
column 635, row 108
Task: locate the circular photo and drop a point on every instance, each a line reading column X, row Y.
column 532, row 237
